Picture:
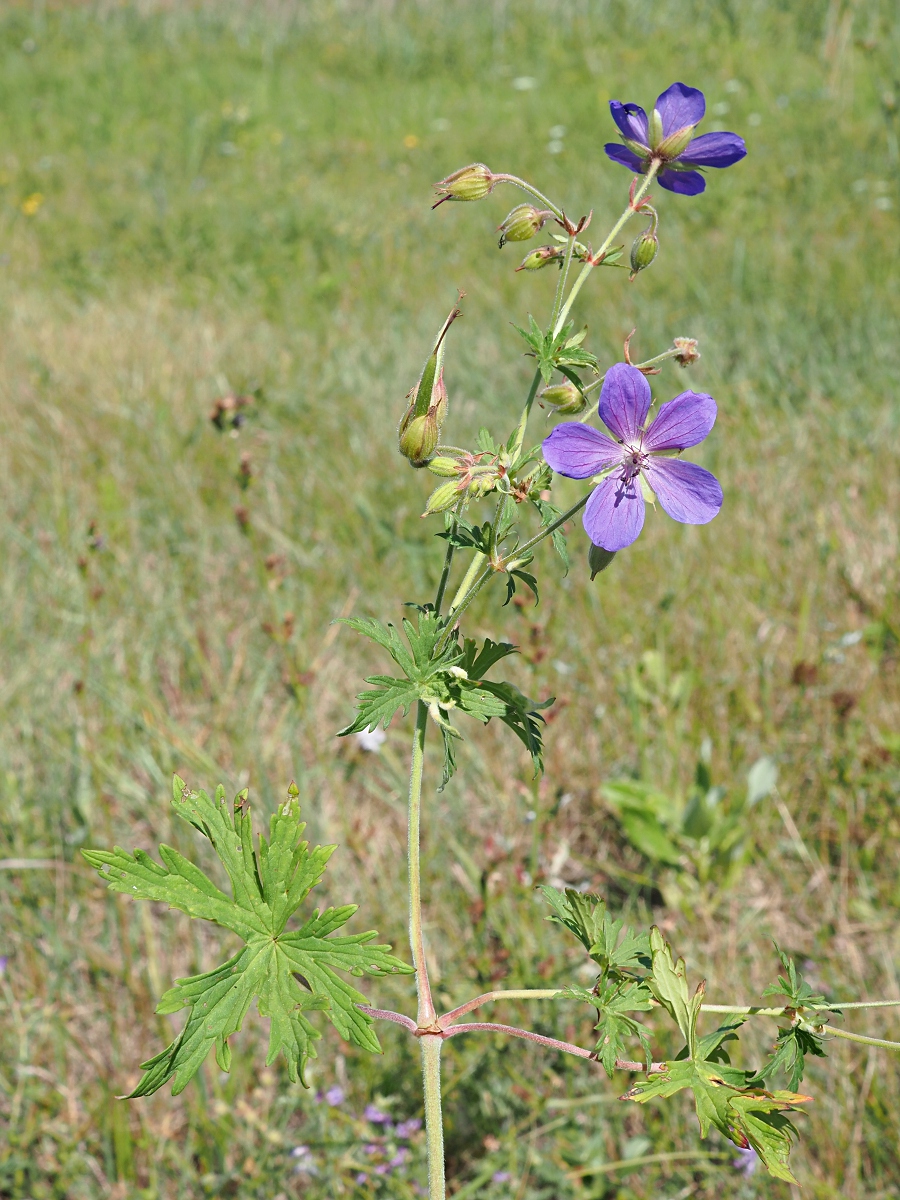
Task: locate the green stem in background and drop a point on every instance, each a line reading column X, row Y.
column 515, row 448
column 434, row 1121
column 588, row 267
column 426, row 1013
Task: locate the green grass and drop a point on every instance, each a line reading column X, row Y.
column 197, row 200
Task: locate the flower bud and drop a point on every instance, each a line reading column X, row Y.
column 644, row 249
column 564, row 397
column 687, row 351
column 521, row 224
column 542, row 257
column 655, row 129
column 444, row 467
column 442, row 499
column 468, row 183
column 599, row 559
column 419, row 438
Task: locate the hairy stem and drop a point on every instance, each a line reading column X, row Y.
column 551, row 1043
column 487, row 997
column 563, row 278
column 445, row 572
column 532, row 191
column 588, row 267
column 462, row 591
column 434, row 1122
column 426, row 1013
column 829, row 1031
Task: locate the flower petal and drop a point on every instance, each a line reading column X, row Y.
column 714, row 150
column 687, row 492
column 624, row 402
column 579, row 451
column 628, row 158
column 683, row 183
column 614, row 515
column 680, row 106
column 684, row 421
column 631, row 120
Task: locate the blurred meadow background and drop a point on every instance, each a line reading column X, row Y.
column 203, row 202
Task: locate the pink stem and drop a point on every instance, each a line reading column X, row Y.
column 491, row 1027
column 385, row 1014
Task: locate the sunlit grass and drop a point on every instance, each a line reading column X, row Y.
column 196, row 203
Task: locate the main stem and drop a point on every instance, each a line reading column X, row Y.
column 426, row 1012
column 434, row 1120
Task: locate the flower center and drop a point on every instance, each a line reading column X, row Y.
column 633, row 461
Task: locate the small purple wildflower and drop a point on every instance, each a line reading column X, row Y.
column 614, row 515
column 362, row 1177
column 383, row 1169
column 300, row 1152
column 4, row 962
column 334, row 1096
column 746, row 1161
column 375, row 1115
column 372, row 1148
column 668, row 135
column 400, row 1157
column 407, row 1128
column 501, row 1177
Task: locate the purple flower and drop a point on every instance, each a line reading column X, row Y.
column 668, row 135
column 406, row 1128
column 614, row 515
column 334, row 1096
column 400, row 1157
column 746, row 1161
column 501, row 1177
column 375, row 1115
column 362, row 1177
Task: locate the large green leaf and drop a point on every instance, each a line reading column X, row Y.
column 268, row 888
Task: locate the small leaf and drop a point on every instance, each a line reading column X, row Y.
column 668, row 982
column 761, row 780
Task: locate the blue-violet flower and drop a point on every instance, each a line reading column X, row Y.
column 614, row 514
column 668, row 135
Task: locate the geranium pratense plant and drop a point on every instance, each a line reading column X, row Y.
column 294, row 962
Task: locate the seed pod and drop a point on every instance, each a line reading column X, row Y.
column 599, row 559
column 687, row 351
column 564, row 397
column 541, row 257
column 444, row 467
column 643, row 250
column 419, row 439
column 473, row 182
column 522, row 223
column 442, row 499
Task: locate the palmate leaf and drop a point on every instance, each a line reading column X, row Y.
column 588, row 918
column 614, row 1000
column 789, row 1055
column 268, row 887
column 668, row 982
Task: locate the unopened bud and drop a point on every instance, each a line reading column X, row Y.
column 468, row 183
column 521, row 224
column 442, row 499
column 444, row 467
column 687, row 351
column 542, row 257
column 564, row 397
column 599, row 559
column 419, row 438
column 439, row 401
column 644, row 249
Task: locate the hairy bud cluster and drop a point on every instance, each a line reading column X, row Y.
column 420, row 428
column 688, row 351
column 471, row 476
column 543, row 256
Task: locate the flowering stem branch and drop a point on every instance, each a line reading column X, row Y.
column 488, row 997
column 465, row 587
column 445, row 573
column 546, row 532
column 532, row 191
column 563, row 278
column 589, row 266
column 551, row 1043
column 828, row 1030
